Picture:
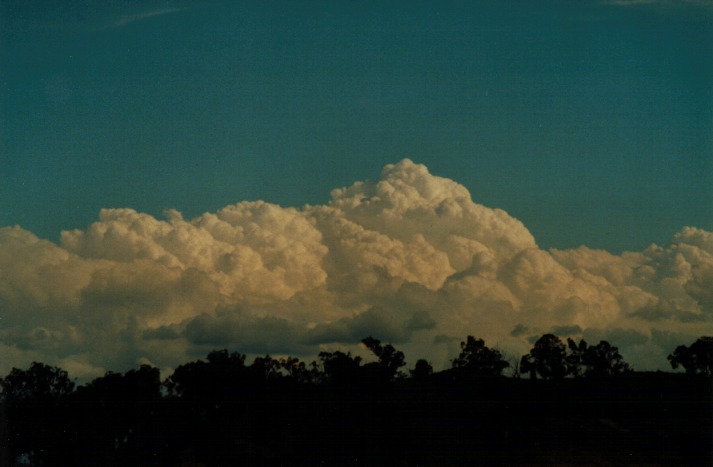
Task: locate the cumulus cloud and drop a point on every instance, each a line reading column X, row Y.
column 409, row 258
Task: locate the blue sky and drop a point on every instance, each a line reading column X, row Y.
column 591, row 121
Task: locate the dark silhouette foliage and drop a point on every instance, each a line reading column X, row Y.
column 696, row 358
column 390, row 360
column 551, row 359
column 476, row 359
column 38, row 383
column 340, row 367
column 115, row 415
column 603, row 359
column 35, row 406
column 598, row 360
column 220, row 411
column 546, row 359
column 298, row 371
column 575, row 356
column 421, row 370
column 199, row 380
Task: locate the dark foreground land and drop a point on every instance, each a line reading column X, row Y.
column 652, row 419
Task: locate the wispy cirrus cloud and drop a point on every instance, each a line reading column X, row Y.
column 143, row 15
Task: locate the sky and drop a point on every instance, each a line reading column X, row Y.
column 181, row 175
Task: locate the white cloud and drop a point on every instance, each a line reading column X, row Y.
column 408, row 258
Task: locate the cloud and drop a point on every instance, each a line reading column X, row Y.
column 409, row 258
column 572, row 330
column 142, row 15
column 392, row 326
column 518, row 330
column 242, row 330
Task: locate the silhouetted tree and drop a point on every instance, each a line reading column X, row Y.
column 696, row 358
column 574, row 357
column 36, row 412
column 603, row 359
column 515, row 365
column 39, row 382
column 198, row 380
column 226, row 359
column 141, row 386
column 340, row 367
column 390, row 359
column 116, row 415
column 547, row 358
column 267, row 368
column 221, row 412
column 300, row 372
column 211, row 401
column 422, row 370
column 477, row 359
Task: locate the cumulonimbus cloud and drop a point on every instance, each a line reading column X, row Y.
column 408, row 258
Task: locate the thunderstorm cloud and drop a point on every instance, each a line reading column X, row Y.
column 408, row 258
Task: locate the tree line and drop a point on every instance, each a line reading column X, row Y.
column 340, row 410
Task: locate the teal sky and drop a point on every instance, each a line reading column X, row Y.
column 590, row 121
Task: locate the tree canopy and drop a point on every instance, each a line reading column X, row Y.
column 604, row 359
column 477, row 359
column 551, row 359
column 546, row 359
column 598, row 360
column 390, row 360
column 221, row 411
column 696, row 358
column 40, row 381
